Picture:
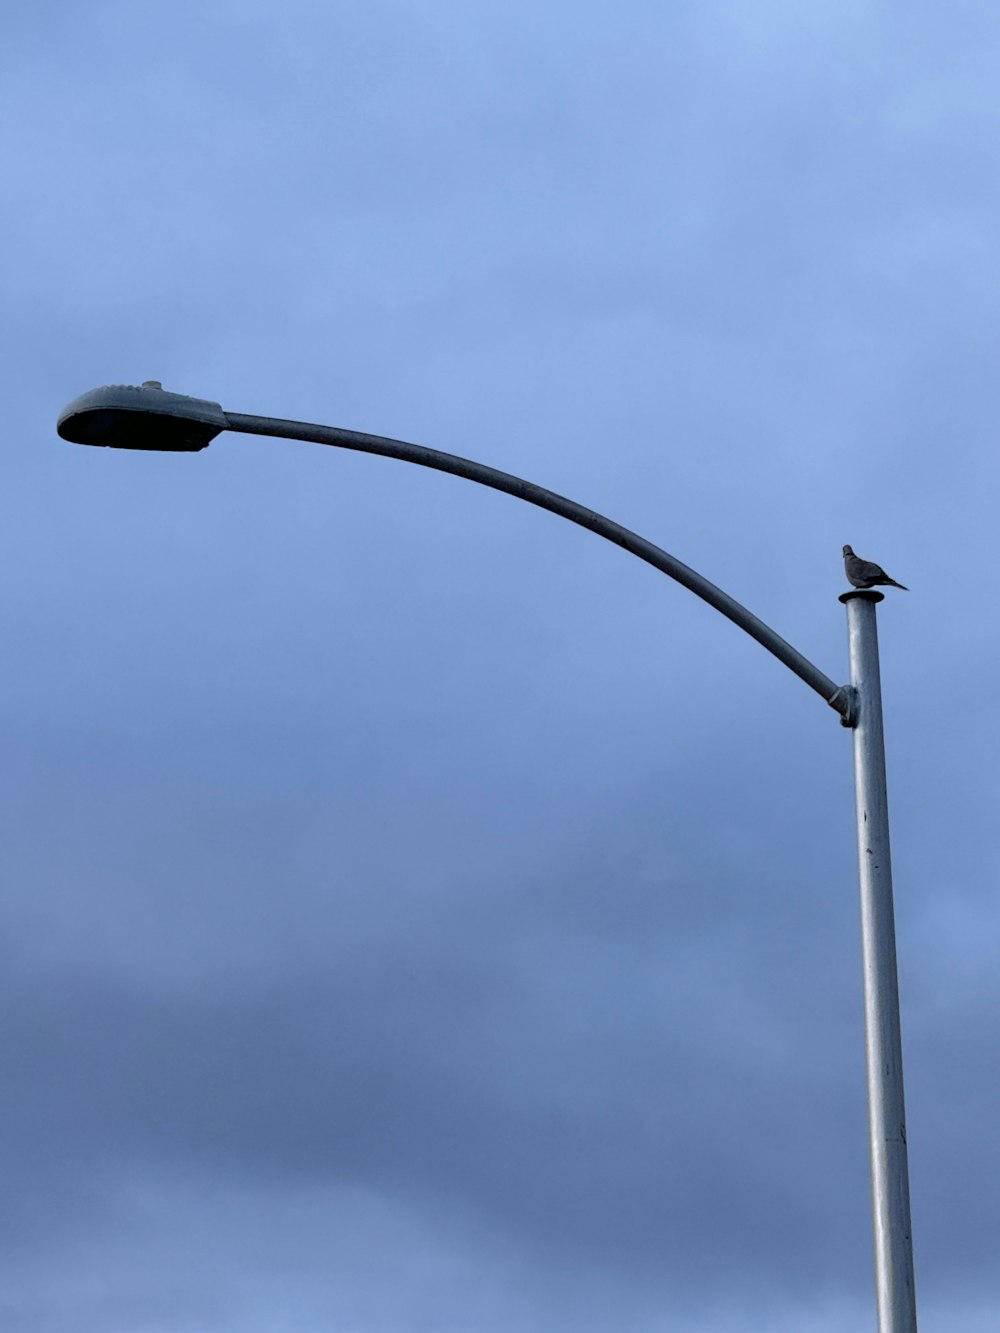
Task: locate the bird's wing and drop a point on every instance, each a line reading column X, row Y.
column 866, row 569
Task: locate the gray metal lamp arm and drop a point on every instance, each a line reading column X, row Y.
column 839, row 697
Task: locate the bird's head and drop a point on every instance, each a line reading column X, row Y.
column 848, row 551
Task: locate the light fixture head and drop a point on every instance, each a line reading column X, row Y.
column 147, row 416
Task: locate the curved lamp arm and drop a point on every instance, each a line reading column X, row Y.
column 149, row 417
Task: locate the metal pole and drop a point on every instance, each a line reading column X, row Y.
column 148, row 417
column 897, row 1311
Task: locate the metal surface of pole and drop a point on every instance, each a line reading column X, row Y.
column 894, row 1290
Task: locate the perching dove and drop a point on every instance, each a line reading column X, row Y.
column 863, row 574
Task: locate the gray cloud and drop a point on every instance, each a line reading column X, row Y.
column 417, row 914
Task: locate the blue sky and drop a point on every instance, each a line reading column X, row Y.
column 419, row 914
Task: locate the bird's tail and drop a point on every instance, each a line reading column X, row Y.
column 894, row 584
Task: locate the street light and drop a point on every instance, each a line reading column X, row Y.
column 149, row 417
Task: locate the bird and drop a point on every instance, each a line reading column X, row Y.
column 863, row 574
